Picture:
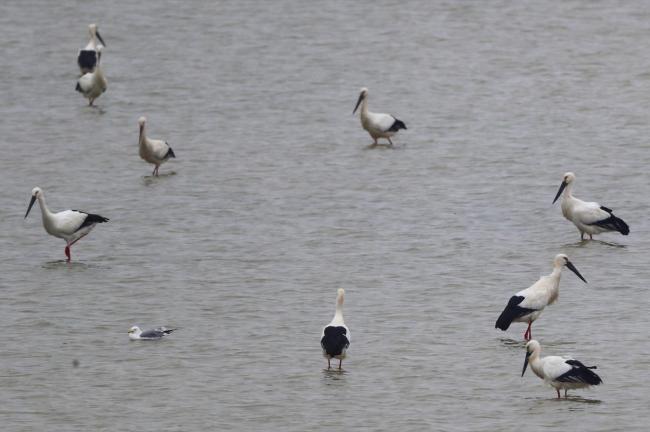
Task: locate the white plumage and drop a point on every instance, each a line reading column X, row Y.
column 589, row 217
column 87, row 58
column 70, row 225
column 378, row 125
column 559, row 372
column 153, row 151
column 527, row 305
column 335, row 338
column 92, row 84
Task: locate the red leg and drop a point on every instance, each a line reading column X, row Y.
column 558, row 393
column 67, row 252
column 328, row 364
column 528, row 334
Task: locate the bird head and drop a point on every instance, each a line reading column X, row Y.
column 566, row 180
column 362, row 96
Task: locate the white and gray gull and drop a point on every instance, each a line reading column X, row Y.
column 135, row 333
column 378, row 125
column 527, row 305
column 70, row 225
column 589, row 217
column 335, row 338
column 561, row 373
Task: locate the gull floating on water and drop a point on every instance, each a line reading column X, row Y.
column 528, row 304
column 559, row 372
column 151, row 150
column 92, row 84
column 335, row 339
column 70, row 225
column 87, row 58
column 589, row 217
column 378, row 125
column 135, row 333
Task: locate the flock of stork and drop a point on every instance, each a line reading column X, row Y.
column 525, row 306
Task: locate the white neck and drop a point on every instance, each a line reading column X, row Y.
column 142, row 137
column 364, row 107
column 47, row 214
column 535, row 363
column 566, row 194
column 557, row 271
column 338, row 315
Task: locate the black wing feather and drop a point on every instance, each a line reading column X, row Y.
column 579, row 373
column 511, row 312
column 334, row 341
column 91, row 219
column 397, row 125
column 613, row 223
column 87, row 59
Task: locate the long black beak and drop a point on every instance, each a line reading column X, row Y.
column 31, row 204
column 100, row 38
column 358, row 103
column 525, row 363
column 571, row 267
column 559, row 191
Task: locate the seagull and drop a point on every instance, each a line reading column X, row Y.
column 70, row 225
column 378, row 125
column 87, row 58
column 153, row 151
column 589, row 217
column 528, row 304
column 135, row 333
column 92, row 84
column 559, row 372
column 335, row 339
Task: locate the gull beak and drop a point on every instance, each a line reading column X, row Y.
column 571, row 267
column 31, row 204
column 358, row 103
column 559, row 192
column 100, row 38
column 525, row 363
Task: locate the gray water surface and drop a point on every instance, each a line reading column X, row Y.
column 275, row 201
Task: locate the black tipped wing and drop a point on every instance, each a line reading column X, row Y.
column 397, row 125
column 170, row 153
column 579, row 373
column 87, row 59
column 91, row 219
column 612, row 223
column 334, row 340
column 512, row 312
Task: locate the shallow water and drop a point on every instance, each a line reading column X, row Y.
column 275, row 201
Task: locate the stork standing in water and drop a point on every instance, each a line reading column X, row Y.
column 92, row 84
column 70, row 225
column 589, row 217
column 88, row 57
column 378, row 125
column 559, row 372
column 527, row 305
column 335, row 339
column 153, row 151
